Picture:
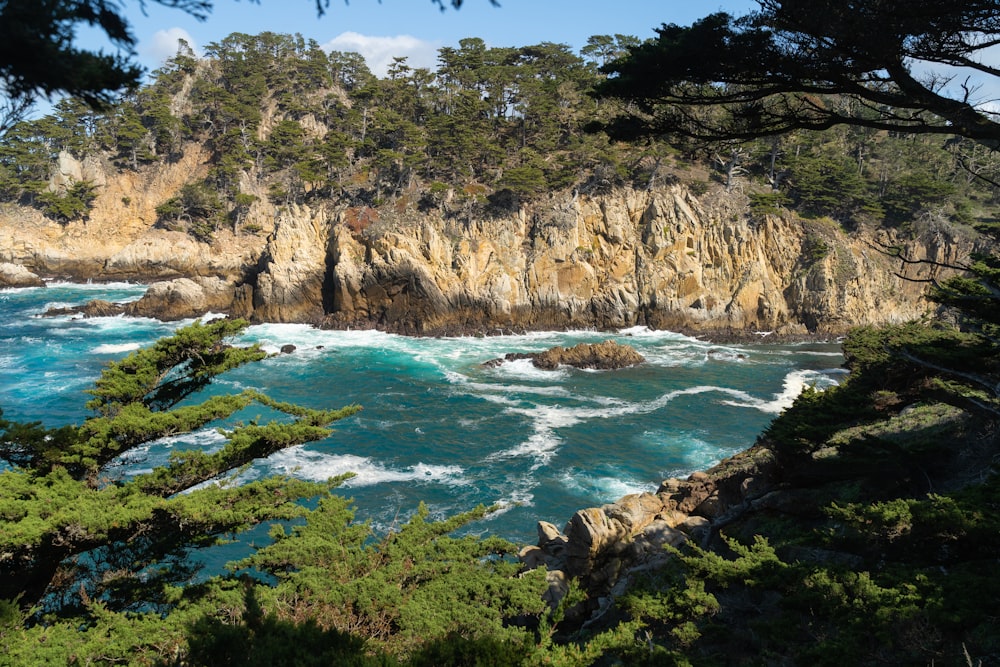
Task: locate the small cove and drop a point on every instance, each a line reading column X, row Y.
column 437, row 426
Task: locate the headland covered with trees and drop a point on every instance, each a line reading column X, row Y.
column 491, row 127
column 862, row 528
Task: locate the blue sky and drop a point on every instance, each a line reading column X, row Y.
column 415, row 28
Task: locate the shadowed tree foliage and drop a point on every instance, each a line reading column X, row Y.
column 775, row 69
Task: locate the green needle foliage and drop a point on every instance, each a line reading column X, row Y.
column 74, row 533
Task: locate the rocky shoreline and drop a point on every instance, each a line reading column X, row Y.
column 605, row 548
column 660, row 258
column 167, row 303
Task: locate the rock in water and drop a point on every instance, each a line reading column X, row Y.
column 15, row 275
column 182, row 298
column 608, row 355
column 93, row 308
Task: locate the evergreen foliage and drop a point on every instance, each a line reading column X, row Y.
column 103, row 567
column 281, row 116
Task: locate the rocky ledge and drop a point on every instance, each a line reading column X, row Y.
column 605, row 548
column 607, row 355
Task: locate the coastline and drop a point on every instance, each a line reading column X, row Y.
column 101, row 308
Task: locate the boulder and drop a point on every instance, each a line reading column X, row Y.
column 602, row 356
column 182, row 298
column 101, row 308
column 15, row 275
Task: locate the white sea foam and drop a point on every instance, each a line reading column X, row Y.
column 208, row 438
column 727, row 355
column 115, row 348
column 542, row 446
column 656, row 334
column 676, row 355
column 120, row 322
column 519, row 496
column 604, row 488
column 793, row 385
column 96, row 287
column 509, row 389
column 317, row 466
column 525, row 369
column 303, row 335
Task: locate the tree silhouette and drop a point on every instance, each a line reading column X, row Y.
column 806, row 64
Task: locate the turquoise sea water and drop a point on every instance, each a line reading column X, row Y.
column 437, row 426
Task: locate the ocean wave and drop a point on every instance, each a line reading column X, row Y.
column 794, row 384
column 656, row 334
column 526, row 370
column 96, row 287
column 304, row 335
column 542, row 446
column 604, row 488
column 209, row 438
column 545, row 420
column 317, row 466
column 115, row 348
column 515, row 498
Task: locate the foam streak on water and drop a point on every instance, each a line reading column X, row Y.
column 437, row 425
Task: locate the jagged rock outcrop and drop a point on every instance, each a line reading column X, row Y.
column 287, row 284
column 14, row 275
column 658, row 257
column 604, row 547
column 606, row 355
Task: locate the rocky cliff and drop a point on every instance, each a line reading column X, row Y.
column 661, row 257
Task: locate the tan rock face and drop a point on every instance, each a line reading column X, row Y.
column 660, row 258
column 183, row 298
column 14, row 275
column 291, row 272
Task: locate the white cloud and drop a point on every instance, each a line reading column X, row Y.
column 163, row 44
column 378, row 52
